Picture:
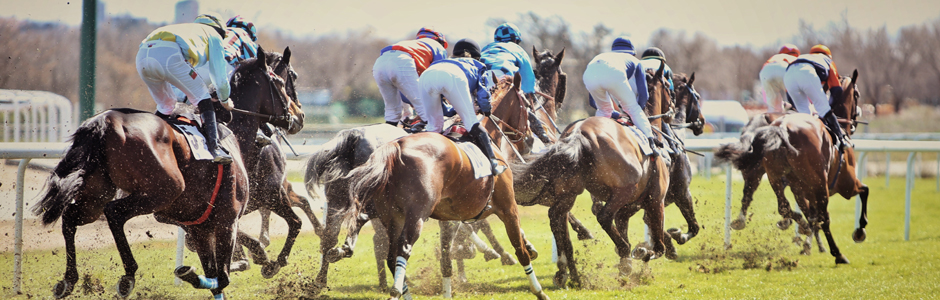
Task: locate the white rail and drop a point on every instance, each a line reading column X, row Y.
column 29, row 151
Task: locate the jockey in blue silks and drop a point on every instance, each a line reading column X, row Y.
column 618, row 74
column 461, row 80
column 505, row 57
column 651, row 60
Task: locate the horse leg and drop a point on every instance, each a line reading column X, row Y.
column 752, row 178
column 448, row 229
column 328, row 240
column 505, row 258
column 301, row 202
column 401, row 248
column 380, row 247
column 578, row 227
column 783, row 205
column 264, row 236
column 557, row 218
column 622, row 223
column 859, row 235
column 117, row 213
column 293, row 229
column 224, row 243
column 255, row 248
column 508, row 214
column 615, row 201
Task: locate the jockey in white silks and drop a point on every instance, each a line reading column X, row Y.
column 771, row 77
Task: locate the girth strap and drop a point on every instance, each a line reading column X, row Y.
column 215, row 192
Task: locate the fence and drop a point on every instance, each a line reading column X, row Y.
column 27, row 151
column 35, row 116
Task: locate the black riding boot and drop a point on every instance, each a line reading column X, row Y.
column 212, row 133
column 833, row 123
column 536, row 125
column 263, row 137
column 395, row 124
column 655, row 145
column 482, row 140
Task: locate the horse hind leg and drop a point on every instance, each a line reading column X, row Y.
column 271, row 268
column 579, row 228
column 752, row 178
column 264, row 236
column 117, row 213
column 859, row 234
column 448, row 230
column 380, row 247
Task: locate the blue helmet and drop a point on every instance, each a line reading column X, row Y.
column 239, row 22
column 507, row 32
column 624, row 45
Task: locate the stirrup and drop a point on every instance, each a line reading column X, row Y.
column 496, row 167
column 220, row 157
column 261, row 140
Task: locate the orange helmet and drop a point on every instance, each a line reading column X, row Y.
column 821, row 49
column 790, row 49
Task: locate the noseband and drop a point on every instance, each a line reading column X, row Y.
column 283, row 121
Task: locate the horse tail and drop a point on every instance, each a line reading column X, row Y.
column 772, row 138
column 369, row 181
column 334, row 160
column 743, row 154
column 85, row 155
column 564, row 159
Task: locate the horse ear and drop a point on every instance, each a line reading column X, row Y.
column 691, row 79
column 495, row 80
column 516, row 79
column 854, row 76
column 261, row 56
column 659, row 73
column 535, row 53
column 285, row 59
column 559, row 57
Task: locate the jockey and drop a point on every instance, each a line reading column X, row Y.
column 771, row 76
column 618, row 74
column 240, row 40
column 397, row 69
column 807, row 79
column 505, row 57
column 168, row 57
column 651, row 60
column 461, row 80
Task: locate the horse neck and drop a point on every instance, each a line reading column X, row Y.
column 654, row 107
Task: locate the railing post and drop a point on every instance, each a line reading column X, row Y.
column 180, row 242
column 907, row 196
column 727, row 206
column 887, row 169
column 18, row 227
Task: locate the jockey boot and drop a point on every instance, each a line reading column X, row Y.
column 394, row 124
column 536, row 125
column 162, row 116
column 212, row 133
column 833, row 123
column 263, row 138
column 655, row 145
column 482, row 140
column 418, row 127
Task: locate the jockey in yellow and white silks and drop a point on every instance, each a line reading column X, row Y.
column 169, row 57
column 771, row 76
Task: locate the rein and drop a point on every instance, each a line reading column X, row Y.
column 273, row 119
column 514, row 131
column 500, row 129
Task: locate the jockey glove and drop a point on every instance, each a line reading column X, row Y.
column 486, row 113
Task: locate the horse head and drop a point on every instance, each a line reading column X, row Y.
column 509, row 109
column 660, row 103
column 688, row 103
column 549, row 76
column 847, row 107
column 264, row 95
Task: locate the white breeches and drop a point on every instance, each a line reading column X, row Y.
column 805, row 88
column 448, row 80
column 771, row 78
column 161, row 65
column 395, row 73
column 604, row 81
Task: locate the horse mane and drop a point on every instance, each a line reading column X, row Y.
column 564, row 159
column 503, row 86
column 241, row 68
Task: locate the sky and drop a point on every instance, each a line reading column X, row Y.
column 730, row 22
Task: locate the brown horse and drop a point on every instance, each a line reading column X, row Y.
column 599, row 155
column 797, row 150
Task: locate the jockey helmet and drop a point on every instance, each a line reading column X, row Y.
column 507, row 32
column 426, row 32
column 239, row 22
column 790, row 49
column 653, row 52
column 821, row 49
column 467, row 46
column 623, row 44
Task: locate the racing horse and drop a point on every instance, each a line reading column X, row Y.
column 687, row 115
column 423, row 176
column 599, row 155
column 797, row 150
column 154, row 167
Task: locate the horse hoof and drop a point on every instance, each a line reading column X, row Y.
column 640, row 253
column 672, row 255
column 805, row 229
column 125, row 286
column 842, row 260
column 239, row 266
column 583, row 236
column 739, row 224
column 859, row 235
column 625, row 267
column 334, row 255
column 561, row 279
column 187, row 274
column 533, row 254
column 490, row 254
column 782, row 224
column 269, row 270
column 62, row 289
column 677, row 235
column 542, row 296
column 507, row 259
column 394, row 293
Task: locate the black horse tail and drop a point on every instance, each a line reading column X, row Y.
column 334, row 160
column 369, row 181
column 565, row 159
column 84, row 157
column 772, row 138
column 743, row 154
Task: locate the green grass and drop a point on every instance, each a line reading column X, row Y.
column 762, row 263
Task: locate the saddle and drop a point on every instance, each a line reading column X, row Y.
column 192, row 131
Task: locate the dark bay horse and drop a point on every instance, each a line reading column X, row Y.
column 599, row 155
column 797, row 150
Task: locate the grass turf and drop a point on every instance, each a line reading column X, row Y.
column 762, row 263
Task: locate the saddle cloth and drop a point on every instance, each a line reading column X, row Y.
column 641, row 139
column 196, row 140
column 479, row 161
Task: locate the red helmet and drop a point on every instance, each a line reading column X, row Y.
column 789, row 49
column 821, row 49
column 426, row 32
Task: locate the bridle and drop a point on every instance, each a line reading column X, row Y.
column 694, row 100
column 283, row 121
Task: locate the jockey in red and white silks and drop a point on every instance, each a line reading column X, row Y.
column 807, row 80
column 397, row 69
column 771, row 77
column 619, row 75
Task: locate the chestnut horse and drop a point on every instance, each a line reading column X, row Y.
column 602, row 156
column 423, row 176
column 143, row 156
column 797, row 150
